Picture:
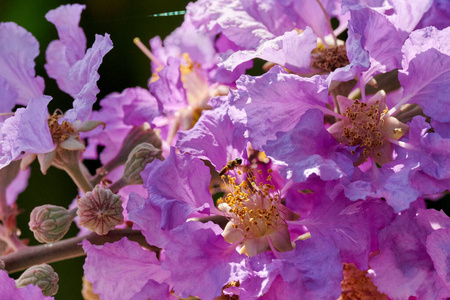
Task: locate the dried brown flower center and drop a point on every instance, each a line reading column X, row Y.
column 329, row 59
column 356, row 285
column 59, row 132
column 363, row 126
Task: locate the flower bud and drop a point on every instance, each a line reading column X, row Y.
column 141, row 155
column 136, row 136
column 50, row 223
column 2, row 265
column 42, row 276
column 100, row 210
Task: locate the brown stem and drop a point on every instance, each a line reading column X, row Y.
column 65, row 249
column 328, row 22
column 79, row 177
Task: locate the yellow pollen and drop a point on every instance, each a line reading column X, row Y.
column 253, row 211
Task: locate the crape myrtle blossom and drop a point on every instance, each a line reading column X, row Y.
column 305, row 182
column 307, row 198
column 413, row 258
column 376, row 141
column 190, row 246
column 281, row 32
column 30, row 130
column 185, row 77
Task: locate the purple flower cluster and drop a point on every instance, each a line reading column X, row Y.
column 273, row 186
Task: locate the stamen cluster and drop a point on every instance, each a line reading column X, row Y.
column 59, row 132
column 330, row 59
column 363, row 126
column 252, row 207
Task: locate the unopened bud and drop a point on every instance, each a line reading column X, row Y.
column 2, row 265
column 42, row 276
column 50, row 223
column 136, row 136
column 141, row 155
column 100, row 210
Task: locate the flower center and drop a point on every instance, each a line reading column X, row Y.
column 357, row 285
column 252, row 208
column 59, row 132
column 363, row 126
column 329, row 59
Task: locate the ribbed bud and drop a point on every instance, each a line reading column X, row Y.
column 100, row 210
column 50, row 223
column 136, row 136
column 141, row 155
column 42, row 276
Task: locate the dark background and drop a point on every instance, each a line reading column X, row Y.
column 124, row 66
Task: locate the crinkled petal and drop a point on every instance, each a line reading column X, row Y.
column 438, row 15
column 438, row 247
column 274, row 102
column 392, row 182
column 26, row 131
column 197, row 248
column 8, row 96
column 312, row 270
column 108, row 265
column 309, row 149
column 18, row 49
column 178, row 185
column 404, row 268
column 426, row 72
column 351, row 226
column 82, row 78
column 213, row 137
column 432, row 151
column 379, row 37
column 147, row 218
column 246, row 23
column 168, row 88
column 154, row 290
column 62, row 54
column 292, row 51
column 408, row 13
column 309, row 13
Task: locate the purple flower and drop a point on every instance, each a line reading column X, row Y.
column 254, row 110
column 408, row 247
column 108, row 265
column 313, row 270
column 18, row 50
column 26, row 131
column 74, row 69
column 199, row 249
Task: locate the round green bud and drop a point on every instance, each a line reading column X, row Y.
column 50, row 223
column 100, row 210
column 42, row 276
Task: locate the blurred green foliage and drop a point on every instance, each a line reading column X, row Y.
column 124, row 66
